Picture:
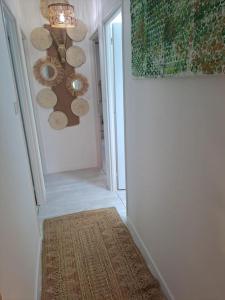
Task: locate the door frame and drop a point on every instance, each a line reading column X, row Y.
column 119, row 114
column 110, row 151
column 27, row 114
column 108, row 107
column 96, row 96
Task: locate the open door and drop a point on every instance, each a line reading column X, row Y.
column 119, row 103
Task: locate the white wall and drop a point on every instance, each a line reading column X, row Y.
column 76, row 147
column 176, row 174
column 19, row 234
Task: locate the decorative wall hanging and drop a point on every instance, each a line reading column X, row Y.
column 79, row 32
column 56, row 73
column 80, row 107
column 44, row 6
column 75, row 56
column 46, row 98
column 177, row 37
column 41, row 38
column 58, row 120
column 48, row 71
column 77, row 84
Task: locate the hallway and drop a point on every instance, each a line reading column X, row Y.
column 82, row 190
column 98, row 96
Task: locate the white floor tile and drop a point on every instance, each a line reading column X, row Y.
column 72, row 192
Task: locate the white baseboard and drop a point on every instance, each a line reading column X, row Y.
column 39, row 272
column 149, row 260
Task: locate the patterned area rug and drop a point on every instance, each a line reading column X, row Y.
column 91, row 256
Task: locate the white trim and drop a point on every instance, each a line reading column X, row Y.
column 112, row 13
column 118, row 124
column 125, row 116
column 102, row 52
column 110, row 173
column 149, row 260
column 32, row 132
column 26, row 48
column 105, row 105
column 107, row 128
column 94, row 35
column 96, row 96
column 38, row 283
column 108, row 104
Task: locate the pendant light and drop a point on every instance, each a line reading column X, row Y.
column 61, row 15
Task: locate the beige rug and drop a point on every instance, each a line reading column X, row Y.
column 91, row 256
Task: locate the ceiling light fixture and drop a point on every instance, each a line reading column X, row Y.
column 61, row 15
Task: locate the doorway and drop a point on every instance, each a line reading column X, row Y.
column 113, row 29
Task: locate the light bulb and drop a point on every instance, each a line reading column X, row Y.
column 62, row 18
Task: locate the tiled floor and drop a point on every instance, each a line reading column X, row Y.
column 72, row 192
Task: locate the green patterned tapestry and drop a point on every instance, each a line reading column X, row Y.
column 177, row 37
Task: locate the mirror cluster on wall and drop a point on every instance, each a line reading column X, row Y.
column 57, row 71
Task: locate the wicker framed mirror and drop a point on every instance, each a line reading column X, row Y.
column 48, row 71
column 77, row 84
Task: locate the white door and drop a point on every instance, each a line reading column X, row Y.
column 25, row 104
column 119, row 103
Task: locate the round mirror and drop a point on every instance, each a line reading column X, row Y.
column 49, row 72
column 77, row 84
